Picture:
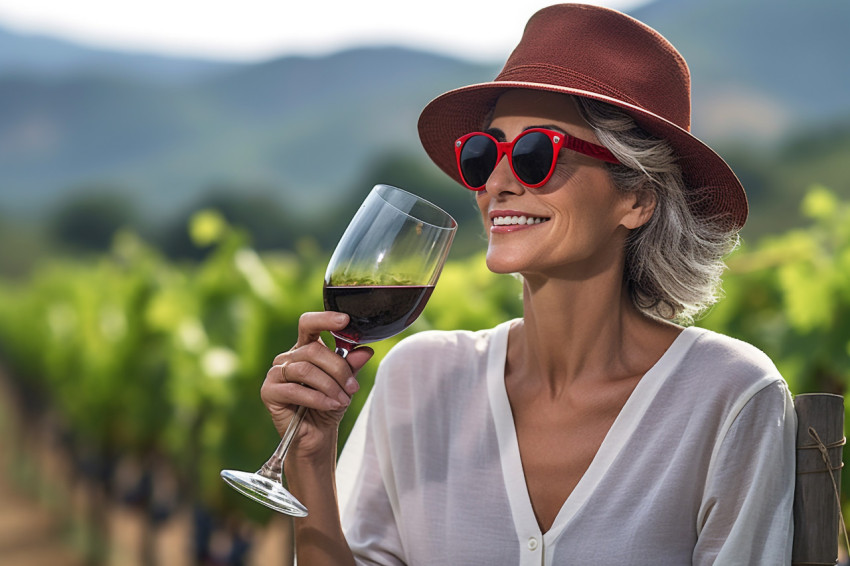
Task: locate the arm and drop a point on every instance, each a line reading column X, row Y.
column 318, row 537
column 746, row 514
column 322, row 381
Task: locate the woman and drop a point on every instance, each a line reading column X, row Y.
column 594, row 430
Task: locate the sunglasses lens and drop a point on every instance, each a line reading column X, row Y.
column 532, row 157
column 477, row 160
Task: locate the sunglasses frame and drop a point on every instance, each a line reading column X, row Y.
column 559, row 141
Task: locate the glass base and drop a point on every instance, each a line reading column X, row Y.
column 265, row 491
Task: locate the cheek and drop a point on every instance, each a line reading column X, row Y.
column 483, row 202
column 586, row 216
column 589, row 197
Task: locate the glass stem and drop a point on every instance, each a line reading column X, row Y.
column 273, row 468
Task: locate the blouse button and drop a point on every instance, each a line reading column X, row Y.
column 532, row 543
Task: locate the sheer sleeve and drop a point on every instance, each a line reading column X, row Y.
column 746, row 513
column 368, row 519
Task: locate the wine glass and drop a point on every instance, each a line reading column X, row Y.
column 381, row 274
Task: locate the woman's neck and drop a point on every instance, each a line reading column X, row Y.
column 576, row 330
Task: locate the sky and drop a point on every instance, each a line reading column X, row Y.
column 253, row 30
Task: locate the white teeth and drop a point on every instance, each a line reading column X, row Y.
column 516, row 220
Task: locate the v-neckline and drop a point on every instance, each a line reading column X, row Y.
column 613, row 443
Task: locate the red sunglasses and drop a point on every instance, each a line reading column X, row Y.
column 532, row 156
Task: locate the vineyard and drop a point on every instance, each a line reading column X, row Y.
column 139, row 376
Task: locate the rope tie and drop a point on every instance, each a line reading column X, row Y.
column 824, row 452
column 823, row 448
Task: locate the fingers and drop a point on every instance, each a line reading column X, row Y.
column 310, row 388
column 358, row 358
column 312, row 324
column 310, row 374
column 315, row 376
column 310, row 327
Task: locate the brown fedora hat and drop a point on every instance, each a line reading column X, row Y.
column 603, row 54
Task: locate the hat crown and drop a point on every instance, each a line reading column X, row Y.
column 561, row 46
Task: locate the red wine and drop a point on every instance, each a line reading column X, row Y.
column 376, row 312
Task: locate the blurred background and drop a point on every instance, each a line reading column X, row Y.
column 172, row 184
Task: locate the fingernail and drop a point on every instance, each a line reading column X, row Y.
column 344, row 399
column 340, row 318
column 351, row 386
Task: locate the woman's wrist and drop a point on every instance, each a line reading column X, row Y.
column 311, row 459
column 311, row 477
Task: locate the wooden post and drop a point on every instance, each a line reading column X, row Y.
column 820, row 432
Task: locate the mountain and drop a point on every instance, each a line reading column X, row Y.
column 297, row 126
column 308, row 129
column 44, row 56
column 759, row 67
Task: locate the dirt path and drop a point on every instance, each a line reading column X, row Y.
column 29, row 536
column 32, row 534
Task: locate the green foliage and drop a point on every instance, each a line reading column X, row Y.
column 790, row 295
column 144, row 355
column 775, row 180
column 254, row 209
column 90, row 218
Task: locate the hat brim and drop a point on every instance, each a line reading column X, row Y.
column 713, row 190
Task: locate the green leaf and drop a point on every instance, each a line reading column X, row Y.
column 819, row 203
column 207, row 227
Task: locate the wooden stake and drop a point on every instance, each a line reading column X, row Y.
column 820, row 437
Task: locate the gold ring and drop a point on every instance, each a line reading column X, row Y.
column 283, row 371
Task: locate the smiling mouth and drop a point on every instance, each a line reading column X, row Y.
column 517, row 220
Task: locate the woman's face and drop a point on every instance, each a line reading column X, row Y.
column 585, row 220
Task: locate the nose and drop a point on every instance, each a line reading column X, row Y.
column 502, row 180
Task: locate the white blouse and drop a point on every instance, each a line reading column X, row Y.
column 698, row 468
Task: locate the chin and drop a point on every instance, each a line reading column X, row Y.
column 500, row 263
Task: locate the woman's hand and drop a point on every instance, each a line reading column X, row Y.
column 312, row 375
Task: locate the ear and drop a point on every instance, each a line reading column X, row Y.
column 639, row 206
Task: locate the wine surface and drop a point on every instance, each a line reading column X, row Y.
column 376, row 311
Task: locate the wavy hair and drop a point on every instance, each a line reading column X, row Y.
column 674, row 261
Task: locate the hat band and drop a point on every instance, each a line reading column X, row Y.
column 559, row 77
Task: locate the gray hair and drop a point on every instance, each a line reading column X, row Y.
column 674, row 261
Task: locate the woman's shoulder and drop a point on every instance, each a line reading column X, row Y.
column 722, row 366
column 718, row 376
column 729, row 354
